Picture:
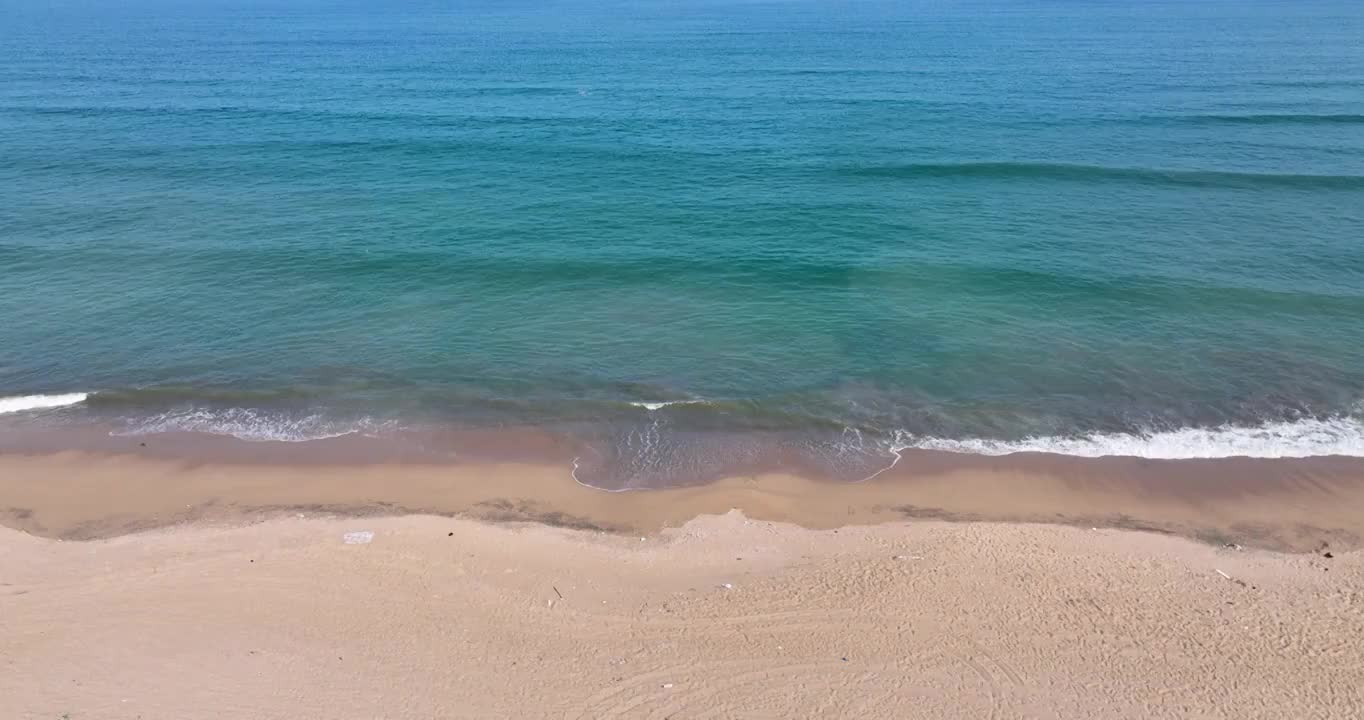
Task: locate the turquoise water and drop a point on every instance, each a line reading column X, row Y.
column 1089, row 227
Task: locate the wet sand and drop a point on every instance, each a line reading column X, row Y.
column 1286, row 505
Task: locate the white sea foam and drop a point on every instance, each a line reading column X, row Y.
column 651, row 406
column 574, row 473
column 1299, row 439
column 21, row 403
column 251, row 425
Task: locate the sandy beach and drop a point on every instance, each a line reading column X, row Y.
column 723, row 617
column 140, row 588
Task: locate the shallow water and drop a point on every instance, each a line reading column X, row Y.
column 1093, row 228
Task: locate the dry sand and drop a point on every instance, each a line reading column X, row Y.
column 724, row 617
column 225, row 604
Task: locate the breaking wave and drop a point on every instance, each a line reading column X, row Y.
column 252, row 425
column 1343, row 436
column 21, row 403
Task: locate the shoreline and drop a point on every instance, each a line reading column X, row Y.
column 1295, row 505
column 954, row 585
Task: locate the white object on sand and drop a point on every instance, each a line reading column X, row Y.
column 358, row 537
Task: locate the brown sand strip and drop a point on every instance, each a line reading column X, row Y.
column 1286, row 505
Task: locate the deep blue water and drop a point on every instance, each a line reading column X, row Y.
column 1090, row 227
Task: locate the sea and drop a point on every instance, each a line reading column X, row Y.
column 689, row 235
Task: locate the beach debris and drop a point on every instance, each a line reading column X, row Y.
column 727, row 586
column 550, row 603
column 556, row 592
column 1327, row 555
column 1242, row 583
column 1231, row 546
column 667, row 686
column 358, row 537
column 907, row 557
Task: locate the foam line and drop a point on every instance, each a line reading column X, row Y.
column 1341, row 436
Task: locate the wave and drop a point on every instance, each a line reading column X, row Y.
column 171, row 395
column 1099, row 173
column 1341, row 436
column 251, row 425
column 1276, row 119
column 652, row 406
column 21, row 403
column 251, row 112
column 715, row 429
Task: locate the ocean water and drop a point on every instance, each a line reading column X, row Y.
column 682, row 230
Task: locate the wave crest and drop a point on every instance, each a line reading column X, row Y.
column 21, row 403
column 652, row 406
column 251, row 425
column 1279, row 119
column 1097, row 173
column 1341, row 436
